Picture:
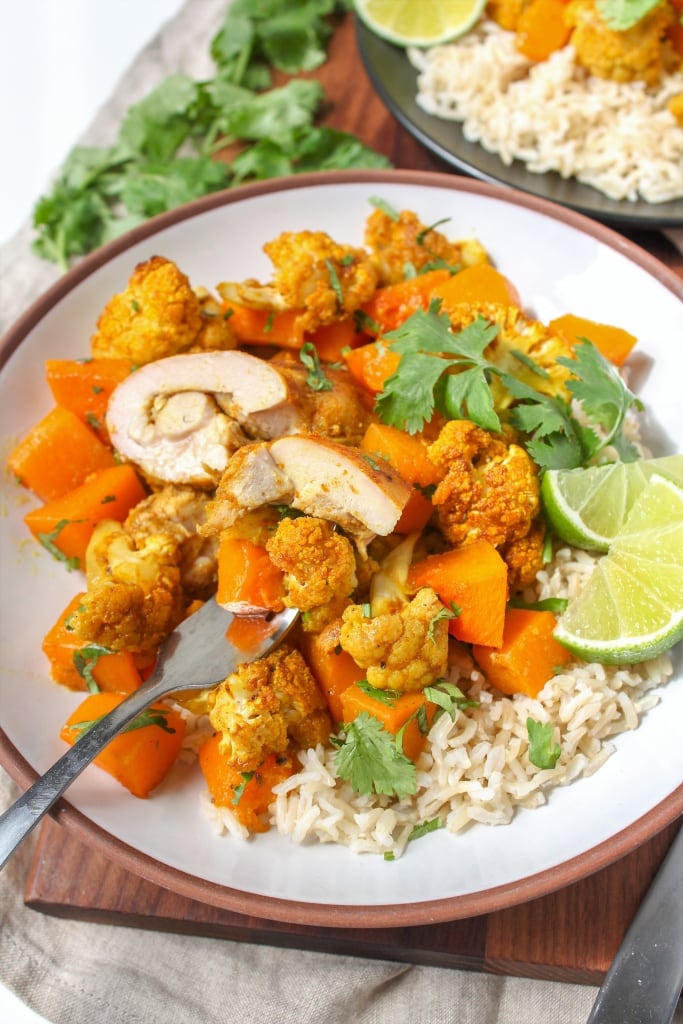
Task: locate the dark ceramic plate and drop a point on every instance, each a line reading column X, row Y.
column 394, row 78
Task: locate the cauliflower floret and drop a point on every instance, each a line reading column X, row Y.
column 406, row 241
column 524, row 557
column 215, row 332
column 267, row 705
column 319, row 566
column 517, row 333
column 175, row 512
column 157, row 315
column 314, row 274
column 489, row 490
column 405, row 649
column 640, row 53
column 134, row 597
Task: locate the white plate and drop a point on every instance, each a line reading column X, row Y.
column 560, row 262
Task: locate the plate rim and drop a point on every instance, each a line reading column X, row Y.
column 623, row 214
column 319, row 914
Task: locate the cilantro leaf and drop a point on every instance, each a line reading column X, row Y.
column 156, row 126
column 152, row 716
column 542, row 751
column 368, row 758
column 315, row 379
column 624, row 14
column 85, row 660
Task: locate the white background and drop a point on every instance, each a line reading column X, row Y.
column 59, row 62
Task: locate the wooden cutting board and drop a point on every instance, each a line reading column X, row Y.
column 571, row 935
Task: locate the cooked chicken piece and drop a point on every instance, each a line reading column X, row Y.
column 179, row 419
column 315, row 476
column 336, row 412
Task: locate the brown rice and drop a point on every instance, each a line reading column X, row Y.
column 620, row 138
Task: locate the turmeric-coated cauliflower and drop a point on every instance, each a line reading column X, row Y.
column 267, row 706
column 157, row 315
column 134, row 597
column 319, row 566
column 639, row 53
column 405, row 649
column 318, row 277
column 489, row 489
column 403, row 241
column 175, row 511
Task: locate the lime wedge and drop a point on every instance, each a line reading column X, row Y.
column 419, row 22
column 631, row 609
column 588, row 507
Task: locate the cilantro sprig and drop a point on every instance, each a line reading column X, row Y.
column 85, row 659
column 152, row 716
column 543, row 751
column 165, row 151
column 620, row 15
column 449, row 372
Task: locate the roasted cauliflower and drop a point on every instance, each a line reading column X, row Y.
column 640, row 53
column 404, row 242
column 490, row 488
column 174, row 512
column 267, row 707
column 315, row 275
column 405, row 649
column 134, row 597
column 157, row 315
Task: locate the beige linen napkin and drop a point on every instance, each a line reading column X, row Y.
column 79, row 973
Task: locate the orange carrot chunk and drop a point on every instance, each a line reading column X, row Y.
column 528, row 656
column 614, row 343
column 394, row 303
column 58, row 454
column 142, row 755
column 542, row 29
column 334, row 670
column 64, row 526
column 247, row 794
column 416, row 513
column 407, row 453
column 78, row 665
column 393, row 716
column 372, row 364
column 479, row 283
column 85, row 385
column 264, row 327
column 247, row 576
column 472, row 581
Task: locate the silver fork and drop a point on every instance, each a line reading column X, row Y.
column 195, row 656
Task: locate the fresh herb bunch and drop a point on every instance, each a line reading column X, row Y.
column 165, row 153
column 448, row 372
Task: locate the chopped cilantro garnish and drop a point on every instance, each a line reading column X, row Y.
column 542, row 751
column 238, row 791
column 48, row 540
column 557, row 605
column 85, row 660
column 367, row 757
column 152, row 716
column 624, row 14
column 315, row 379
column 385, row 207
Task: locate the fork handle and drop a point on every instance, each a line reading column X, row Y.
column 646, row 977
column 23, row 816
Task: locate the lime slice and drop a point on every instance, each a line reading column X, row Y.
column 631, row 609
column 588, row 507
column 419, row 22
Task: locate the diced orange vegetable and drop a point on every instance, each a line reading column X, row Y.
column 392, row 716
column 479, row 283
column 472, row 579
column 247, row 576
column 247, row 794
column 58, row 454
column 263, row 327
column 416, row 513
column 614, row 343
column 528, row 656
column 333, row 339
column 140, row 757
column 66, row 524
column 119, row 672
column 407, row 453
column 542, row 29
column 334, row 671
column 394, row 303
column 85, row 385
column 372, row 364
